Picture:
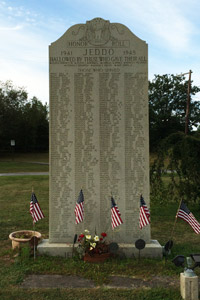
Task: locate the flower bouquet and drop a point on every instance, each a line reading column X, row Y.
column 92, row 246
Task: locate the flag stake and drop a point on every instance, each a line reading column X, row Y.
column 74, row 242
column 172, row 233
column 36, row 214
column 33, row 228
column 34, row 239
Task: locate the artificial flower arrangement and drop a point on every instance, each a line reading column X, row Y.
column 92, row 244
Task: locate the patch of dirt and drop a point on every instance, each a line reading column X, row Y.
column 7, row 259
column 56, row 281
column 132, row 282
column 63, row 281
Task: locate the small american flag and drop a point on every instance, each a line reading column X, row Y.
column 35, row 209
column 115, row 214
column 144, row 213
column 79, row 209
column 185, row 214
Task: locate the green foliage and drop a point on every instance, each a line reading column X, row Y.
column 183, row 169
column 167, row 107
column 25, row 253
column 35, row 126
column 92, row 294
column 25, row 121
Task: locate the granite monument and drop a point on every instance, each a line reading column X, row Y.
column 99, row 134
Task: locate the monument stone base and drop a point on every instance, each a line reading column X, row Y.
column 151, row 250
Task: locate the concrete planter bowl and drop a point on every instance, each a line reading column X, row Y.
column 21, row 237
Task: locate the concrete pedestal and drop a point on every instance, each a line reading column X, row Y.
column 152, row 250
column 189, row 287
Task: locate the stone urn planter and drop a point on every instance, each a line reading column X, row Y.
column 21, row 237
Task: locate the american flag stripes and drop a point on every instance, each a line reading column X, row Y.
column 115, row 214
column 79, row 209
column 35, row 209
column 185, row 214
column 144, row 213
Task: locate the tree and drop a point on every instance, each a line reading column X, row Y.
column 178, row 158
column 167, row 107
column 35, row 125
column 25, row 121
column 11, row 103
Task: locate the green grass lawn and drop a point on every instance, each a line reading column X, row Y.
column 12, row 167
column 15, row 195
column 28, row 162
column 15, row 202
column 25, row 157
column 91, row 294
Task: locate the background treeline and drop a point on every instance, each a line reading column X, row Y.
column 175, row 156
column 175, row 171
column 167, row 108
column 26, row 121
column 22, row 120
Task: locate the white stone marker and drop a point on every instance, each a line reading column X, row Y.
column 189, row 287
column 99, row 131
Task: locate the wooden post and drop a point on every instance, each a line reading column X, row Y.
column 188, row 104
column 33, row 229
column 175, row 220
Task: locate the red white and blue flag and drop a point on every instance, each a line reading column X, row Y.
column 35, row 209
column 115, row 214
column 144, row 213
column 79, row 209
column 185, row 214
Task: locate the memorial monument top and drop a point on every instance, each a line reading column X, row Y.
column 98, row 32
column 97, row 43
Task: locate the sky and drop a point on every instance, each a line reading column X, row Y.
column 171, row 29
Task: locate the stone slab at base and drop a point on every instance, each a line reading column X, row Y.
column 189, row 287
column 55, row 249
column 151, row 250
